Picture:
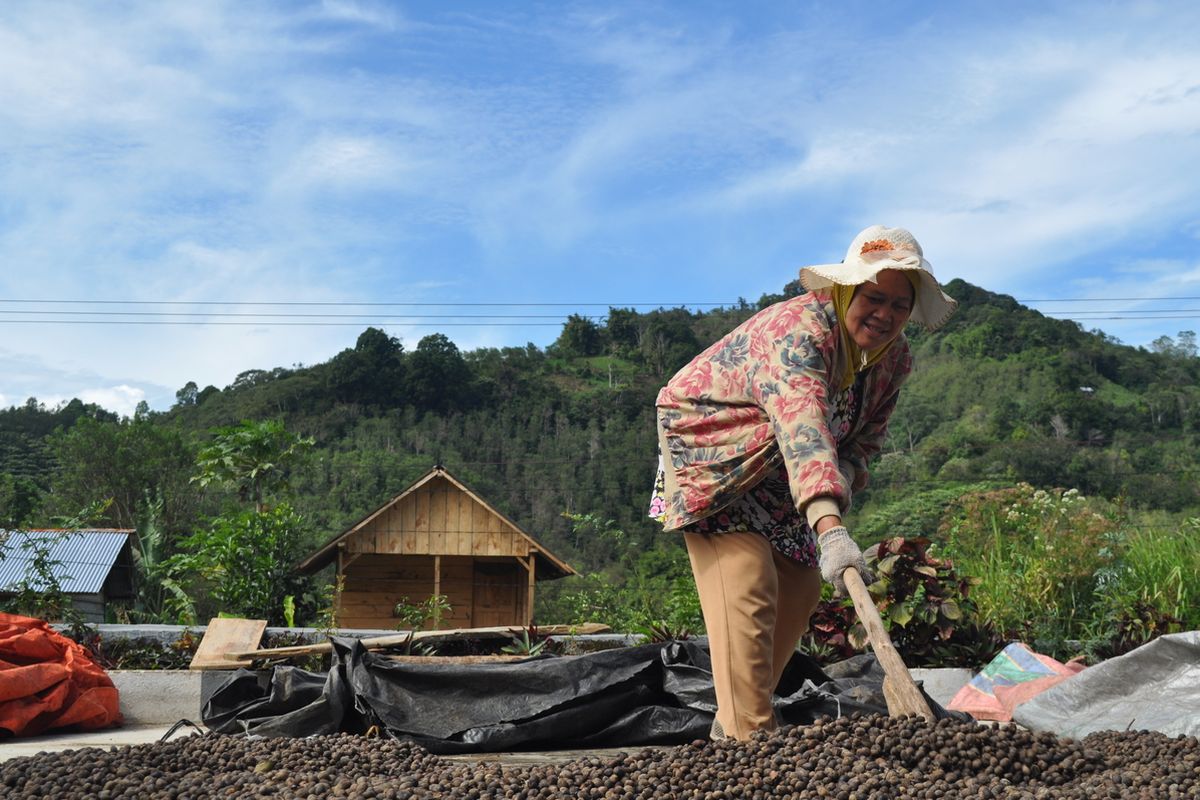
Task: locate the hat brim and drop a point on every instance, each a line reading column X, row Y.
column 932, row 307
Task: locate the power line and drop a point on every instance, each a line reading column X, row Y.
column 389, row 303
column 256, row 314
column 342, row 303
column 1104, row 299
column 269, row 323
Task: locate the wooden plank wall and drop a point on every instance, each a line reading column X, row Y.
column 439, row 519
column 499, row 594
column 376, row 583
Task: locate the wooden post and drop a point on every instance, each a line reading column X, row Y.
column 339, row 580
column 437, row 586
column 531, row 567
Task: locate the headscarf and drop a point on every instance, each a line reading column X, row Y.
column 856, row 359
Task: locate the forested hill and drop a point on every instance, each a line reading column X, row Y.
column 1001, row 394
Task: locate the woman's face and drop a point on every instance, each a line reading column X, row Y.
column 879, row 311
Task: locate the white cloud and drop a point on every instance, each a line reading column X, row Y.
column 121, row 399
column 344, row 150
column 373, row 14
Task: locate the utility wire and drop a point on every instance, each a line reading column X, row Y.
column 385, row 304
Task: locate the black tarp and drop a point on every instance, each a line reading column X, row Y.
column 650, row 694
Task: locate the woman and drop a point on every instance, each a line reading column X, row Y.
column 765, row 435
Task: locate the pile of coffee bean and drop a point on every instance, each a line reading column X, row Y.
column 856, row 757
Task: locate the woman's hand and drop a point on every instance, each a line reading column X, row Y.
column 839, row 551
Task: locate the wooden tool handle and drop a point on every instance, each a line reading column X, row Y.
column 904, row 697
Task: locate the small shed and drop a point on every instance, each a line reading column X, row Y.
column 93, row 566
column 437, row 537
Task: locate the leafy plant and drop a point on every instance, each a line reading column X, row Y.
column 145, row 652
column 1155, row 568
column 829, row 627
column 526, row 643
column 1131, row 629
column 246, row 561
column 930, row 615
column 326, row 620
column 415, row 616
column 289, row 610
column 159, row 596
column 926, row 607
column 662, row 631
column 253, row 458
column 1037, row 555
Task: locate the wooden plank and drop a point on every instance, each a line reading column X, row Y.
column 437, row 582
column 494, row 547
column 398, row 639
column 532, row 567
column 392, row 568
column 455, row 661
column 389, row 587
column 437, row 520
column 390, row 538
column 479, row 526
column 421, row 523
column 224, row 636
column 370, row 623
column 408, row 525
column 461, row 516
column 450, row 515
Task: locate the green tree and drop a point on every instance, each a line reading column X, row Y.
column 372, row 372
column 253, row 458
column 19, row 498
column 580, row 337
column 122, row 461
column 159, row 598
column 438, row 376
column 245, row 562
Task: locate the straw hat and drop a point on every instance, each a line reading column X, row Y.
column 878, row 248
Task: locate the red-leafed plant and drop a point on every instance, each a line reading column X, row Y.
column 925, row 605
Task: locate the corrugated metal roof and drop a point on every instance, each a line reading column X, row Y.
column 85, row 556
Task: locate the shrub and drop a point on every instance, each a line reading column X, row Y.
column 1037, row 555
column 926, row 607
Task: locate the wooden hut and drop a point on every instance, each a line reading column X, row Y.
column 437, row 537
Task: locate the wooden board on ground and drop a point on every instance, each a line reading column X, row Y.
column 400, row 639
column 224, row 637
column 456, row 660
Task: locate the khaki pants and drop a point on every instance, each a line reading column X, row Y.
column 756, row 606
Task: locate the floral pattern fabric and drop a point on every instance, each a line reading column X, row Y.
column 767, row 507
column 759, row 403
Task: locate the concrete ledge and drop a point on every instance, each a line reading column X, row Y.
column 158, row 696
column 163, row 697
column 942, row 683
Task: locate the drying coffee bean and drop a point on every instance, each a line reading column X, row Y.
column 853, row 758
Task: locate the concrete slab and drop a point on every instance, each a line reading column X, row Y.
column 942, row 683
column 114, row 737
column 158, row 696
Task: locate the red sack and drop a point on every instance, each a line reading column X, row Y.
column 48, row 681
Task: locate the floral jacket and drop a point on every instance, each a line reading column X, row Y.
column 761, row 396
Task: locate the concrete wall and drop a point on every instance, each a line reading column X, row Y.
column 942, row 684
column 163, row 697
column 158, row 696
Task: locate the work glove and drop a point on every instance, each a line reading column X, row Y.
column 838, row 551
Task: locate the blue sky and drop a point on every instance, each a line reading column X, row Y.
column 180, row 158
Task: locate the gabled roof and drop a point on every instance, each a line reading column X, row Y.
column 549, row 565
column 85, row 557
